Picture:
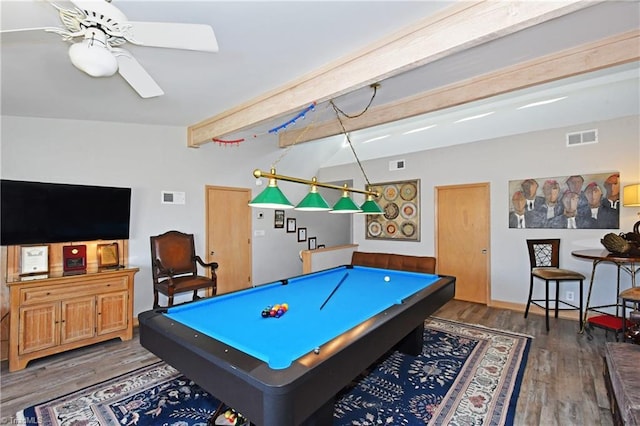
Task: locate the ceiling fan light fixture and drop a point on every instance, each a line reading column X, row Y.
column 93, row 58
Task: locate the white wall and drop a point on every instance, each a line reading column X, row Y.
column 150, row 159
column 538, row 154
column 154, row 158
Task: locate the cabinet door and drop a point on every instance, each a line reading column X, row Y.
column 112, row 312
column 38, row 327
column 78, row 319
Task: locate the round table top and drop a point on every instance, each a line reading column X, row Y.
column 632, row 294
column 598, row 254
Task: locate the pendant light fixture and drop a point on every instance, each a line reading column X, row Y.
column 273, row 198
column 345, row 204
column 370, row 206
column 313, row 202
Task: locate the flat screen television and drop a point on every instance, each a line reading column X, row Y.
column 38, row 212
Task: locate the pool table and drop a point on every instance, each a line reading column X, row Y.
column 287, row 370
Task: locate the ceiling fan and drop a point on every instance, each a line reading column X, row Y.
column 97, row 29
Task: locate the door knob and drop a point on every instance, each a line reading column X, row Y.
column 484, row 251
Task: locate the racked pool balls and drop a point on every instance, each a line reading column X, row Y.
column 275, row 311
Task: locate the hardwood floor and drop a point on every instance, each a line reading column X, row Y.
column 563, row 382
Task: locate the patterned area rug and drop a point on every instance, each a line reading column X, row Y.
column 466, row 375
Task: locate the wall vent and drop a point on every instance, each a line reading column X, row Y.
column 397, row 165
column 172, row 197
column 582, row 138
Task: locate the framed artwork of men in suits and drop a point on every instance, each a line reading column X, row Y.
column 584, row 201
column 400, row 202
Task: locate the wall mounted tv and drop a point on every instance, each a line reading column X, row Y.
column 37, row 212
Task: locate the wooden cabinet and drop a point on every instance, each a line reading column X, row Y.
column 52, row 315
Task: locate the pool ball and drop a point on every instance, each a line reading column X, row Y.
column 386, row 278
column 316, row 351
column 265, row 313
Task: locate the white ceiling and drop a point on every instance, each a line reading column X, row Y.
column 601, row 95
column 263, row 45
column 266, row 44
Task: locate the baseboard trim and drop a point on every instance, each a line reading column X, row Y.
column 520, row 307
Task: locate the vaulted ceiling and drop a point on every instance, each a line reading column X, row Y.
column 277, row 58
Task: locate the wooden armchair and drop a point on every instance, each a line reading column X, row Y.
column 174, row 269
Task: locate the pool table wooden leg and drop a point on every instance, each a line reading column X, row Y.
column 412, row 343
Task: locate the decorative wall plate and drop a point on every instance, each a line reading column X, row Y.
column 390, row 192
column 408, row 229
column 408, row 191
column 408, row 210
column 375, row 229
column 400, row 203
column 391, row 211
column 391, row 229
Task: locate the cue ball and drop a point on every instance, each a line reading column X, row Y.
column 387, row 279
column 316, row 351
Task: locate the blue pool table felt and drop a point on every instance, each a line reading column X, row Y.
column 235, row 318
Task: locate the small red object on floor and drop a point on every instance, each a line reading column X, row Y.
column 608, row 322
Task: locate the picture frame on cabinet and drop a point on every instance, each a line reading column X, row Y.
column 74, row 259
column 108, row 255
column 34, row 260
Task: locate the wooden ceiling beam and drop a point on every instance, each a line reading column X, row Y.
column 460, row 27
column 616, row 50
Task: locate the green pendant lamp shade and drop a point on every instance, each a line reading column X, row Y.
column 345, row 204
column 370, row 206
column 313, row 202
column 271, row 197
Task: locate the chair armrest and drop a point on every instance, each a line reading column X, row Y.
column 212, row 265
column 168, row 272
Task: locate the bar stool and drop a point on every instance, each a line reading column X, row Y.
column 544, row 257
column 630, row 296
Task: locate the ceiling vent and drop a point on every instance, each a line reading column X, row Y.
column 397, row 165
column 582, row 138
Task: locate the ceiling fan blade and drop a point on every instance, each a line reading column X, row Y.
column 27, row 34
column 137, row 77
column 173, row 35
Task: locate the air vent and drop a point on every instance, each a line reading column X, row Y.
column 172, row 197
column 582, row 138
column 397, row 165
